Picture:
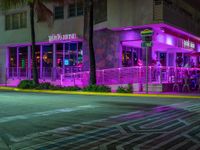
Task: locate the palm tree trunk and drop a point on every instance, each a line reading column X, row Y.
column 34, row 63
column 88, row 33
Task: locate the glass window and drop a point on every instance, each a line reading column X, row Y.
column 171, row 59
column 72, row 10
column 23, row 57
column 73, row 54
column 13, row 57
column 37, row 53
column 59, row 12
column 8, row 22
column 66, row 54
column 80, row 54
column 47, row 56
column 100, row 11
column 59, row 55
column 129, row 56
column 23, row 20
column 179, row 60
column 163, row 59
column 80, row 8
column 75, row 8
column 23, row 61
column 16, row 21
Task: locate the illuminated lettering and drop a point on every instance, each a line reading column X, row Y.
column 60, row 37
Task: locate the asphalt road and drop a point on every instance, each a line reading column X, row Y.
column 49, row 121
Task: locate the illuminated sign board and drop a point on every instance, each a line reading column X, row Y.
column 62, row 37
column 188, row 44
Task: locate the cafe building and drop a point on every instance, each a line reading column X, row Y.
column 117, row 41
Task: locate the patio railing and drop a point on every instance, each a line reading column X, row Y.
column 75, row 76
column 126, row 75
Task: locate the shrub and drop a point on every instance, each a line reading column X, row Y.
column 128, row 89
column 121, row 89
column 27, row 84
column 71, row 88
column 97, row 88
column 44, row 86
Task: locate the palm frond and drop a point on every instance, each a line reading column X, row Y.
column 43, row 13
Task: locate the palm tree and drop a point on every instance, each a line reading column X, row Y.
column 88, row 37
column 43, row 13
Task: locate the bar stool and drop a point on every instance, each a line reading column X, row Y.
column 186, row 85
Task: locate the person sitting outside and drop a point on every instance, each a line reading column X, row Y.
column 194, row 80
column 186, row 79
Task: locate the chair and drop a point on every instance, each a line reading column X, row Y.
column 186, row 85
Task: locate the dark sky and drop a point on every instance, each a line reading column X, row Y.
column 194, row 3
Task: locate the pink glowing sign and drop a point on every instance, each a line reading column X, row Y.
column 62, row 37
column 188, row 44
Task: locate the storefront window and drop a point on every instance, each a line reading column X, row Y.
column 23, row 57
column 73, row 54
column 37, row 53
column 129, row 56
column 66, row 55
column 171, row 59
column 47, row 56
column 13, row 57
column 163, row 59
column 186, row 60
column 80, row 54
column 179, row 60
column 59, row 55
column 23, row 61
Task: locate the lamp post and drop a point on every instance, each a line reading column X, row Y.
column 146, row 44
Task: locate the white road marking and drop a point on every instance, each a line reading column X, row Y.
column 45, row 113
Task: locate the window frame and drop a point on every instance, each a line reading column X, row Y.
column 18, row 17
column 59, row 17
column 78, row 4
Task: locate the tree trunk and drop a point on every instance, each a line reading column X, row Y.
column 88, row 35
column 34, row 63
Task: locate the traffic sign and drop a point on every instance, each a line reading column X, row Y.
column 147, row 44
column 147, row 38
column 147, row 32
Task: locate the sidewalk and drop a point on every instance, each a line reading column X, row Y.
column 142, row 94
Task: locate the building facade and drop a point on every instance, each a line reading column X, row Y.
column 117, row 40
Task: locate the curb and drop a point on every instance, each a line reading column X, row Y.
column 99, row 94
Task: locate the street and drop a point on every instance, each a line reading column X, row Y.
column 53, row 121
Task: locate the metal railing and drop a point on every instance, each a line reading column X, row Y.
column 130, row 75
column 45, row 73
column 127, row 75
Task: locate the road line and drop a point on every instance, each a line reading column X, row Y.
column 45, row 113
column 102, row 94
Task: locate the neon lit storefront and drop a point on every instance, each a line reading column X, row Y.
column 118, row 54
column 61, row 54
